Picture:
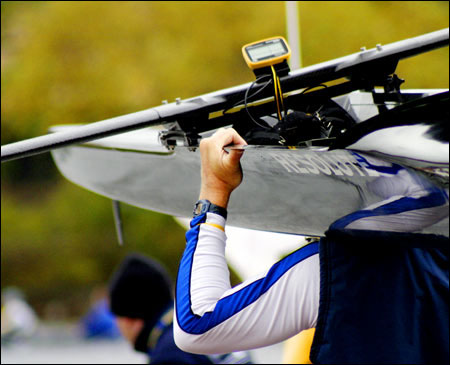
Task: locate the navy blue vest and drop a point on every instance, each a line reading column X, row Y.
column 384, row 298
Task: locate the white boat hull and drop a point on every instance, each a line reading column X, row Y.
column 300, row 191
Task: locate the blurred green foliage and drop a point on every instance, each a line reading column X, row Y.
column 62, row 243
column 79, row 62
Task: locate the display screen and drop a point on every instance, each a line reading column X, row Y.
column 266, row 50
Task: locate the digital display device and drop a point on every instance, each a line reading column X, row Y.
column 266, row 52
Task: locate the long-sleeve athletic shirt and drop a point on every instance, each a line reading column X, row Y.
column 211, row 317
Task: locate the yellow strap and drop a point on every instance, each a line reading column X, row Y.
column 280, row 92
column 275, row 84
column 215, row 225
column 159, row 327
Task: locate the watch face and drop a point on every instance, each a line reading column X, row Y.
column 201, row 207
column 198, row 208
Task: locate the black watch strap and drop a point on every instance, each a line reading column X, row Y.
column 204, row 206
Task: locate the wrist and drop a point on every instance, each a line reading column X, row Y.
column 205, row 206
column 218, row 197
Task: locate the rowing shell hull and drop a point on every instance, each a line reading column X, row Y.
column 300, row 191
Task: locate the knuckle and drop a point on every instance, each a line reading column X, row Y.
column 204, row 143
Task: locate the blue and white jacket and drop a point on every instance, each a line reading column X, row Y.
column 211, row 317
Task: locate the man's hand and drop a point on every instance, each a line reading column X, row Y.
column 221, row 170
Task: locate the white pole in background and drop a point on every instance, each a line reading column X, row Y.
column 293, row 34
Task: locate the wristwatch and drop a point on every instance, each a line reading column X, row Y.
column 204, row 206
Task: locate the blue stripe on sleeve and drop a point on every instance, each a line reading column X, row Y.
column 434, row 199
column 234, row 303
column 393, row 169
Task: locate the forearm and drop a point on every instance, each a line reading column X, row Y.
column 204, row 263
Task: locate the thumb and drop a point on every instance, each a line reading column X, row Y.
column 234, row 156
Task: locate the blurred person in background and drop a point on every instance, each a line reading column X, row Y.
column 99, row 322
column 18, row 319
column 141, row 298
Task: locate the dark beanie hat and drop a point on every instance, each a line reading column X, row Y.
column 140, row 288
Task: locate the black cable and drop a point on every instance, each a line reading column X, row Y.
column 245, row 101
column 251, row 96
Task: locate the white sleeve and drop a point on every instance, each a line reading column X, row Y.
column 409, row 204
column 211, row 317
column 407, row 201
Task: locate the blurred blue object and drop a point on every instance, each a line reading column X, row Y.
column 99, row 322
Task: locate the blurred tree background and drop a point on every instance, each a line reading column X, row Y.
column 79, row 62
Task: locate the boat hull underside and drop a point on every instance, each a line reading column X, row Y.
column 300, row 191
